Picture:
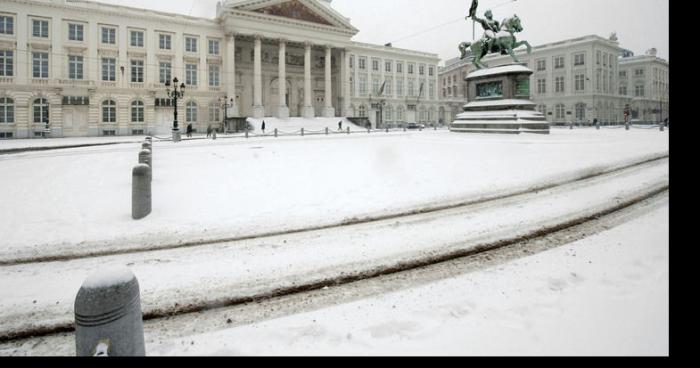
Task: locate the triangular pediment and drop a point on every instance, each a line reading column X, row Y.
column 294, row 9
column 312, row 11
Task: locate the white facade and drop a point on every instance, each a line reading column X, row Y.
column 93, row 69
column 644, row 81
column 575, row 80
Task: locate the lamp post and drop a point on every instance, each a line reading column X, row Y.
column 174, row 95
column 225, row 104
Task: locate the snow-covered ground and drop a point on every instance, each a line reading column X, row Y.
column 606, row 295
column 80, row 199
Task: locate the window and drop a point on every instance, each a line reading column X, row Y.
column 421, row 70
column 431, row 94
column 410, row 68
column 109, row 111
column 362, row 111
column 214, row 112
column 190, row 44
column 597, row 58
column 137, row 71
column 6, row 63
column 399, row 67
column 559, row 84
column 5, row 135
column 579, row 80
column 559, row 112
column 611, row 60
column 375, row 85
column 75, row 32
column 41, row 111
column 75, row 67
column 137, row 112
column 352, row 62
column 399, row 113
column 165, row 72
column 362, row 63
column 411, row 90
column 40, row 28
column 165, row 42
column 605, row 59
column 559, row 62
column 136, row 39
column 191, row 74
column 580, row 112
column 431, row 71
column 7, row 110
column 541, row 65
column 352, row 87
column 7, row 25
column 109, row 36
column 387, row 66
column 191, row 112
column 363, row 85
column 213, row 47
column 639, row 91
column 389, row 87
column 623, row 90
column 639, row 72
column 579, row 59
column 375, row 65
column 388, row 113
column 214, row 75
column 109, row 69
column 399, row 87
column 541, row 86
column 40, row 64
column 623, row 74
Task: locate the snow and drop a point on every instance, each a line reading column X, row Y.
column 498, row 70
column 294, row 125
column 79, row 200
column 505, row 102
column 607, row 295
column 108, row 277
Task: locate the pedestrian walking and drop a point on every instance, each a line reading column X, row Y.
column 189, row 130
column 340, row 125
column 263, row 126
column 209, row 131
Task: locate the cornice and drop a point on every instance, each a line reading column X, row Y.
column 288, row 21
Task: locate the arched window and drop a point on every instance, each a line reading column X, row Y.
column 581, row 112
column 389, row 113
column 7, row 110
column 137, row 112
column 109, row 111
column 559, row 112
column 363, row 111
column 41, row 111
column 191, row 112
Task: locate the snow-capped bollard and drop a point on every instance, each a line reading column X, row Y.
column 275, row 132
column 387, row 129
column 246, row 133
column 213, row 135
column 141, row 191
column 571, row 126
column 145, row 157
column 108, row 317
column 326, row 130
column 302, row 132
column 627, row 127
column 146, row 146
column 661, row 127
column 435, row 127
column 348, row 130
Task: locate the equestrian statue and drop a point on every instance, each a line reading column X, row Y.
column 498, row 37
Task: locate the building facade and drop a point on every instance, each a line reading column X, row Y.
column 576, row 80
column 90, row 69
column 644, row 80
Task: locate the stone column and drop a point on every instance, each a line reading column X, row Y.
column 346, row 82
column 328, row 110
column 231, row 75
column 258, row 108
column 283, row 109
column 308, row 112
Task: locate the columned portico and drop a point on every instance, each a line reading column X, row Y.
column 328, row 110
column 283, row 109
column 308, row 108
column 258, row 108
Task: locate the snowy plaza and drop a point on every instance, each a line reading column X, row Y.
column 237, row 218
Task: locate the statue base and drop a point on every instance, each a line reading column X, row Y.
column 500, row 103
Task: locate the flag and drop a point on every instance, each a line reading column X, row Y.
column 472, row 10
column 381, row 90
column 420, row 93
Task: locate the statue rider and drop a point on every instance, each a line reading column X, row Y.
column 491, row 28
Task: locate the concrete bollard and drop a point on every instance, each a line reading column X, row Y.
column 246, row 133
column 387, row 130
column 275, row 132
column 302, row 132
column 141, row 191
column 661, row 127
column 146, row 146
column 213, row 135
column 108, row 317
column 326, row 130
column 348, row 130
column 436, row 127
column 145, row 157
column 627, row 127
column 571, row 126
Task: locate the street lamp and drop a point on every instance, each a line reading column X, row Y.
column 174, row 95
column 225, row 104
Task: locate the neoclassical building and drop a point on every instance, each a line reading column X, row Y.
column 574, row 80
column 93, row 69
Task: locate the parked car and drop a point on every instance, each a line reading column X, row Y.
column 412, row 126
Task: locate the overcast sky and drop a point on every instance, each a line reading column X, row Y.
column 640, row 24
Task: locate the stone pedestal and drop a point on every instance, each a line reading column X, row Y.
column 500, row 103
